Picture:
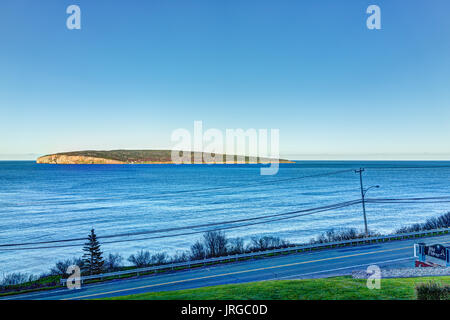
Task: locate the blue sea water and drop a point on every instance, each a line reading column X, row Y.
column 41, row 202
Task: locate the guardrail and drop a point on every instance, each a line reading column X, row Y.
column 236, row 257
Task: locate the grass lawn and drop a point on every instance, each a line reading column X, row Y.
column 335, row 288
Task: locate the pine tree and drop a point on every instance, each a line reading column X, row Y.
column 92, row 258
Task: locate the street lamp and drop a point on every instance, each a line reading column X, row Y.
column 370, row 188
column 363, row 193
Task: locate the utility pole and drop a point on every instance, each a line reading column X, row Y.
column 360, row 171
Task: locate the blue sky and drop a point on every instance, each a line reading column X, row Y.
column 137, row 70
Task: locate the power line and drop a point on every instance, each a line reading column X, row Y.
column 181, row 228
column 284, row 216
column 408, row 167
column 443, row 199
column 163, row 195
column 409, row 199
column 196, row 226
column 288, row 214
column 251, row 184
column 182, row 234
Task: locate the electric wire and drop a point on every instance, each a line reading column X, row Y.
column 331, row 206
column 291, row 215
column 193, row 232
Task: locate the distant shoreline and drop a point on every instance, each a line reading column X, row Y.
column 147, row 157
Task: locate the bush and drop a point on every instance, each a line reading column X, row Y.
column 159, row 258
column 442, row 221
column 16, row 278
column 60, row 267
column 198, row 251
column 266, row 242
column 334, row 235
column 141, row 259
column 215, row 243
column 113, row 262
column 432, row 291
column 180, row 257
column 236, row 246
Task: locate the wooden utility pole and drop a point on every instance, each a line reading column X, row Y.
column 360, row 171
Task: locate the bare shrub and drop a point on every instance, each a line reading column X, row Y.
column 16, row 278
column 236, row 246
column 61, row 266
column 141, row 259
column 334, row 235
column 215, row 243
column 442, row 221
column 266, row 242
column 180, row 257
column 113, row 262
column 159, row 258
column 198, row 251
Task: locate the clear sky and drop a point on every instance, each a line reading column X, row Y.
column 137, row 70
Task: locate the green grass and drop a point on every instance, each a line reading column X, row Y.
column 336, row 288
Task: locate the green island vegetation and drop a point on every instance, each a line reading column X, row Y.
column 334, row 288
column 134, row 157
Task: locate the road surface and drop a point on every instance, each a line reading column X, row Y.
column 329, row 262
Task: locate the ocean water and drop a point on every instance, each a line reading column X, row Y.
column 41, row 202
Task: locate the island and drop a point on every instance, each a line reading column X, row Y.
column 140, row 157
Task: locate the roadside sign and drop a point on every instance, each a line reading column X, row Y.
column 432, row 255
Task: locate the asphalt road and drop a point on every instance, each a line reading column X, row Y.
column 330, row 262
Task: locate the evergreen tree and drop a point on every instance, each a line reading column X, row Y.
column 92, row 258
